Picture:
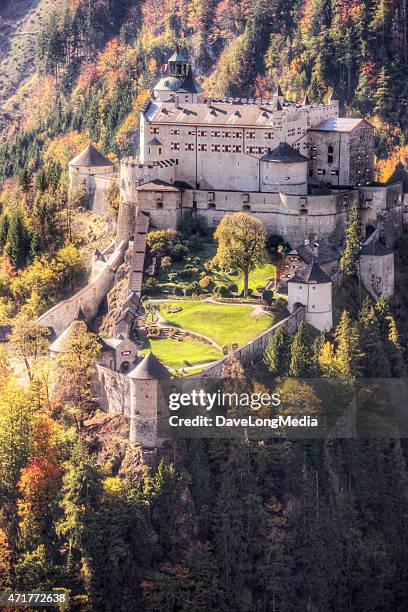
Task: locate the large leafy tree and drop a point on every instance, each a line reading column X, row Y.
column 241, row 244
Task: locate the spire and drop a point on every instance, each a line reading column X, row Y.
column 305, row 101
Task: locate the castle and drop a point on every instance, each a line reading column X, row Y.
column 298, row 167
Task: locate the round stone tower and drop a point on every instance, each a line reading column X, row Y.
column 284, row 170
column 143, row 400
column 312, row 288
column 84, row 167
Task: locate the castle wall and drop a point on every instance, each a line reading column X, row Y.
column 163, row 207
column 89, row 298
column 98, row 189
column 295, row 218
column 113, row 391
column 381, row 206
column 377, row 274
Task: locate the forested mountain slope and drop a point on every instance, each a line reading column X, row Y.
column 94, row 62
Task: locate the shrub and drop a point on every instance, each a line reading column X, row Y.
column 233, row 288
column 206, row 282
column 223, row 291
column 150, row 286
column 191, row 289
column 166, row 243
column 267, row 296
column 178, row 290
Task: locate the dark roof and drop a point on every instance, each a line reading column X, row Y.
column 305, row 100
column 284, row 153
column 312, row 274
column 154, row 141
column 183, row 84
column 325, row 253
column 90, row 157
column 399, row 174
column 150, row 368
column 375, row 248
column 157, row 185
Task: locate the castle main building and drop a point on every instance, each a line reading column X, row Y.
column 296, row 166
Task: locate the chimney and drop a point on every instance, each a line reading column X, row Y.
column 176, row 102
column 209, row 102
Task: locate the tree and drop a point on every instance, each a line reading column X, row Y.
column 241, row 244
column 349, row 257
column 348, row 353
column 301, row 365
column 18, row 241
column 75, row 370
column 28, row 341
column 277, row 352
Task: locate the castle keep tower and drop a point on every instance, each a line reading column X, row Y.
column 143, row 400
column 177, row 79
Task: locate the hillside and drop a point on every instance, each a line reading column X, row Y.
column 19, row 26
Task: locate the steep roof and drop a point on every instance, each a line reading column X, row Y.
column 150, row 368
column 305, row 101
column 376, row 249
column 284, row 153
column 325, row 253
column 338, row 124
column 90, row 157
column 312, row 274
column 399, row 174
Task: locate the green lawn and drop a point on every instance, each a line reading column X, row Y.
column 224, row 323
column 183, row 353
column 257, row 278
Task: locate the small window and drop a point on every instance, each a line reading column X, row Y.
column 194, row 204
column 246, row 208
column 210, row 206
column 159, row 205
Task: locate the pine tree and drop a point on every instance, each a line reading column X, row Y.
column 17, row 247
column 348, row 354
column 301, row 364
column 4, row 228
column 277, row 352
column 349, row 257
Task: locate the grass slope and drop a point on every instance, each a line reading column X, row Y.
column 184, row 353
column 224, row 323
